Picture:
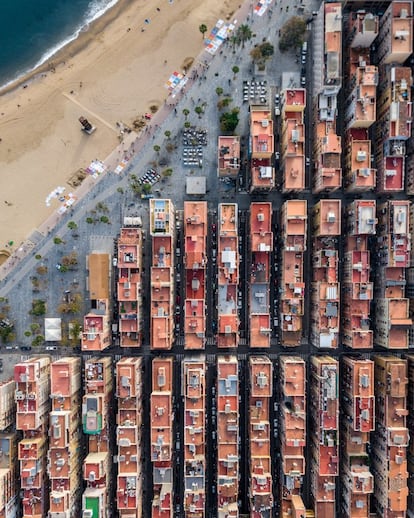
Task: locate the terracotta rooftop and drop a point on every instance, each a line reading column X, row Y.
column 228, row 155
column 294, row 99
column 261, row 132
column 328, row 217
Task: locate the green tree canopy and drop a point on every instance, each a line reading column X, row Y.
column 229, row 120
column 292, row 33
column 203, row 29
column 243, row 34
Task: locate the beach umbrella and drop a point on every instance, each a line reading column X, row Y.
column 147, row 20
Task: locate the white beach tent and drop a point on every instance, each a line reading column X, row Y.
column 53, row 330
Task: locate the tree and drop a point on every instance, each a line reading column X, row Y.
column 156, row 148
column 41, row 269
column 229, row 120
column 72, row 225
column 38, row 340
column 223, row 103
column 203, row 29
column 186, row 112
column 72, row 258
column 105, row 219
column 235, row 71
column 234, row 40
column 75, row 329
column 219, row 90
column 38, row 308
column 244, row 33
column 256, row 54
column 292, row 34
column 90, row 220
column 167, row 172
column 167, row 133
column 57, row 240
column 199, row 110
column 267, row 49
column 146, row 187
column 260, row 53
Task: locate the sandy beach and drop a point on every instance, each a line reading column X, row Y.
column 113, row 73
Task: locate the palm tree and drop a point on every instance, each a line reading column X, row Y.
column 235, row 71
column 186, row 112
column 157, row 148
column 199, row 111
column 244, row 33
column 167, row 133
column 203, row 29
column 72, row 225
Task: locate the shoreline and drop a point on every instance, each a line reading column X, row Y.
column 69, row 50
column 41, row 144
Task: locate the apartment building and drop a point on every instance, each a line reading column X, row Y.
column 228, row 159
column 9, row 488
column 360, row 109
column 228, row 276
column 129, row 438
column 324, row 442
column 393, row 127
column 96, row 418
column 357, row 421
column 327, row 58
column 195, row 437
column 359, row 175
column 410, row 425
column 129, row 286
column 227, row 437
column 8, row 448
column 327, row 175
column 326, row 289
column 162, row 438
column 261, row 246
column 390, row 439
column 195, row 264
column 292, row 431
column 7, row 404
column 64, row 456
column 394, row 43
column 32, row 378
column 292, row 141
column 162, row 231
column 362, row 30
column 260, row 463
column 394, row 256
column 96, row 334
column 361, row 218
column 261, row 146
column 357, row 294
column 294, row 235
column 327, row 82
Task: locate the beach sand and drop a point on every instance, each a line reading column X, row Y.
column 113, row 73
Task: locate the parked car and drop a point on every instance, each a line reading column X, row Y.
column 51, row 348
column 277, row 104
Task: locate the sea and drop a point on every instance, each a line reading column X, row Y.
column 31, row 31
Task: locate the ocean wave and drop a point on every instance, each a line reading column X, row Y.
column 96, row 9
